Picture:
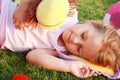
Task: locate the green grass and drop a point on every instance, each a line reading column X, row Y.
column 12, row 63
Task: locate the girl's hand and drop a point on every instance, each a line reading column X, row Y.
column 80, row 70
column 19, row 16
column 72, row 8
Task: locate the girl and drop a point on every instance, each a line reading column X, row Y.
column 44, row 40
column 45, row 46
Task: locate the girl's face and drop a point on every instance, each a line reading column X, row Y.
column 83, row 40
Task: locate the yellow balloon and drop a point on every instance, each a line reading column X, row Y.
column 52, row 13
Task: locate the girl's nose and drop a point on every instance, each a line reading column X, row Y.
column 76, row 40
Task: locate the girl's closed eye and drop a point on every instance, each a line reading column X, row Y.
column 84, row 35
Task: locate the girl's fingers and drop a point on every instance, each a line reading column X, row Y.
column 14, row 19
column 84, row 72
column 17, row 24
column 92, row 73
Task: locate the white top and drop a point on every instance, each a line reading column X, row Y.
column 26, row 39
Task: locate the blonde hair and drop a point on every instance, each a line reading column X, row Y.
column 109, row 53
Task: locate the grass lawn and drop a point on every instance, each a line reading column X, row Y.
column 12, row 63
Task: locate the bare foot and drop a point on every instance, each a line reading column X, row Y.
column 25, row 14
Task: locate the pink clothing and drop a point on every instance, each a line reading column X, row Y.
column 0, row 5
column 27, row 39
column 113, row 8
column 112, row 15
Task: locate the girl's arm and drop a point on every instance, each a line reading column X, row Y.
column 25, row 14
column 48, row 59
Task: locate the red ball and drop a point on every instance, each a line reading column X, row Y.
column 20, row 77
column 112, row 15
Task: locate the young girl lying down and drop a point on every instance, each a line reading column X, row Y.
column 92, row 40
